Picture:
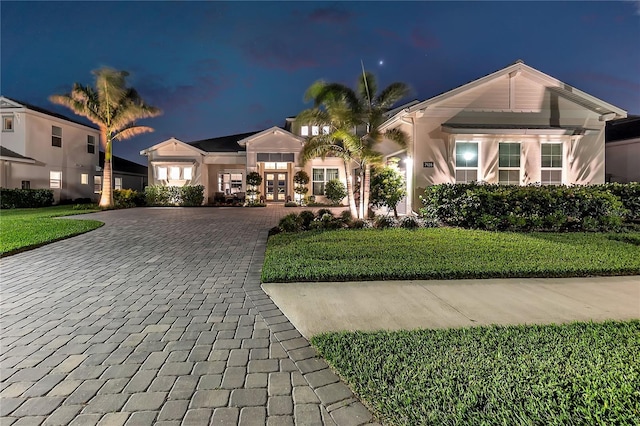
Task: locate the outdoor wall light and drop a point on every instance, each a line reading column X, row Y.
column 469, row 156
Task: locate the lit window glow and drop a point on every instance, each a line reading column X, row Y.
column 304, row 130
column 325, row 130
column 174, row 173
column 84, row 179
column 315, row 130
column 162, row 173
column 55, row 180
column 469, row 155
column 188, row 174
column 117, row 183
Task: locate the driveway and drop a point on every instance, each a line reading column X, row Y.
column 158, row 318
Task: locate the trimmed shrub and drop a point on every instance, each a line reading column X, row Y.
column 291, row 204
column 326, row 221
column 322, row 212
column 410, row 222
column 127, row 198
column 335, row 191
column 382, row 222
column 523, row 208
column 629, row 195
column 191, row 196
column 291, row 223
column 307, row 217
column 25, row 198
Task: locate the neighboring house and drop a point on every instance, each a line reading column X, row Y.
column 126, row 174
column 514, row 126
column 40, row 149
column 622, row 150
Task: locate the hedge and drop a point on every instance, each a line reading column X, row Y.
column 525, row 208
column 25, row 198
column 185, row 196
column 127, row 198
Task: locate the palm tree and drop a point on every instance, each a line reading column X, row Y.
column 114, row 108
column 354, row 118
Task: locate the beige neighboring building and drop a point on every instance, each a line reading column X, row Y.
column 40, row 149
column 514, row 126
column 622, row 150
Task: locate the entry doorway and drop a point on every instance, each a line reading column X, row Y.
column 275, row 184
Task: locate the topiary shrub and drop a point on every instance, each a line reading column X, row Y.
column 335, row 191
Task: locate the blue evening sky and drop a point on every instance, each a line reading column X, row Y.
column 219, row 68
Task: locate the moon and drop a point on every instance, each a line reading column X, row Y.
column 381, row 62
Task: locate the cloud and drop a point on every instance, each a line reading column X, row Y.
column 330, row 15
column 422, row 39
column 274, row 52
column 609, row 80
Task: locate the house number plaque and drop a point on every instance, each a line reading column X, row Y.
column 427, row 164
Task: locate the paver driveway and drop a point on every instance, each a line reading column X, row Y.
column 158, row 318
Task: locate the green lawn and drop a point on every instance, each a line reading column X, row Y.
column 446, row 253
column 22, row 229
column 576, row 374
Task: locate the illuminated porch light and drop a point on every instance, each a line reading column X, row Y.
column 468, row 156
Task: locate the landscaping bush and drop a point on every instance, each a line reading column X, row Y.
column 326, row 221
column 335, row 191
column 410, row 222
column 291, row 204
column 382, row 222
column 322, row 212
column 25, row 198
column 388, row 188
column 191, row 195
column 127, row 198
column 291, row 223
column 186, row 196
column 629, row 195
column 307, row 216
column 523, row 208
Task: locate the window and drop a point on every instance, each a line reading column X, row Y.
column 7, row 123
column 91, row 144
column 466, row 162
column 97, row 184
column 188, row 173
column 55, row 180
column 117, row 183
column 26, row 184
column 509, row 163
column 56, row 136
column 304, row 131
column 315, row 130
column 162, row 173
column 230, row 183
column 275, row 166
column 325, row 130
column 551, row 163
column 174, row 172
column 320, row 177
column 84, row 179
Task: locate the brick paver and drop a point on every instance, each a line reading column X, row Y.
column 158, row 317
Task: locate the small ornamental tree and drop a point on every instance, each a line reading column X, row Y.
column 301, row 179
column 387, row 188
column 254, row 180
column 335, row 191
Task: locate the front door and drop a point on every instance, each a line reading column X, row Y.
column 275, row 186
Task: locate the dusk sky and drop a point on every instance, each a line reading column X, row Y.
column 220, row 68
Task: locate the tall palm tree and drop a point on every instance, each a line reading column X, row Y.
column 354, row 118
column 114, row 108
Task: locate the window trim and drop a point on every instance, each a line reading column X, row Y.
column 324, row 177
column 84, row 179
column 552, row 169
column 236, row 187
column 511, row 168
column 55, row 182
column 54, row 137
column 466, row 168
column 8, row 118
column 304, row 130
column 117, row 183
column 91, row 144
column 97, row 184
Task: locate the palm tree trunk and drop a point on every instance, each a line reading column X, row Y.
column 352, row 201
column 366, row 190
column 106, row 199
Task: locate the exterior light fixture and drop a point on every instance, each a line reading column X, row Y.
column 468, row 156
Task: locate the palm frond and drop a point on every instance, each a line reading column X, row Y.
column 392, row 94
column 313, row 116
column 400, row 137
column 313, row 91
column 367, row 88
column 128, row 112
column 319, row 146
column 130, row 132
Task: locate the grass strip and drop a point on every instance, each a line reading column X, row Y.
column 445, row 253
column 24, row 229
column 572, row 374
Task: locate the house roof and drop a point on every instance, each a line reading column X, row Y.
column 14, row 156
column 623, row 129
column 275, row 129
column 47, row 112
column 515, row 128
column 123, row 165
column 556, row 85
column 227, row 143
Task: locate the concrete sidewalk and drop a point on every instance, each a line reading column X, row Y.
column 392, row 305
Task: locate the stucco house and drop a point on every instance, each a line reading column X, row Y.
column 44, row 150
column 126, row 174
column 622, row 150
column 514, row 126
